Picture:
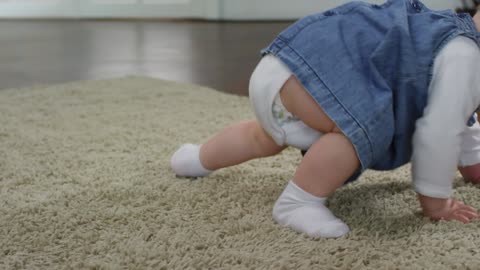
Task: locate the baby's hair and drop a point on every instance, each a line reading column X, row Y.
column 470, row 6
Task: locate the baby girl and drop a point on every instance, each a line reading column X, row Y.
column 360, row 87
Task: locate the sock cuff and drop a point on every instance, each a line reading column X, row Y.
column 198, row 163
column 302, row 195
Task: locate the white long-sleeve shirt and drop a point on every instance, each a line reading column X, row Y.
column 442, row 139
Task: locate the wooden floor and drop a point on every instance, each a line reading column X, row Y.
column 218, row 55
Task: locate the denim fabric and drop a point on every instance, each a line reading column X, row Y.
column 369, row 68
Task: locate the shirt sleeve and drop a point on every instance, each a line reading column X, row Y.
column 453, row 97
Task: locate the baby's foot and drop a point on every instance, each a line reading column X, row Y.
column 471, row 173
column 186, row 162
column 305, row 213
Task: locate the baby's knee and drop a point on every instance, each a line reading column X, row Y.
column 471, row 173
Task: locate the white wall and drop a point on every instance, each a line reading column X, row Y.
column 106, row 8
column 210, row 9
column 291, row 9
column 37, row 8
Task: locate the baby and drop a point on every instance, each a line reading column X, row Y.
column 360, row 87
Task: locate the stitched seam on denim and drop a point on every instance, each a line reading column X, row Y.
column 467, row 22
column 459, row 22
column 470, row 25
column 435, row 53
column 338, row 101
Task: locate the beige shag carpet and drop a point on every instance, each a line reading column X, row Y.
column 85, row 184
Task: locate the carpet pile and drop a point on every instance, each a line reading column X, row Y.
column 85, row 183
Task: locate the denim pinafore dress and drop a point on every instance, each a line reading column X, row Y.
column 369, row 68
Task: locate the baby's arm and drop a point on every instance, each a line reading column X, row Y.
column 454, row 95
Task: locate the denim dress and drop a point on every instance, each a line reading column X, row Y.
column 369, row 68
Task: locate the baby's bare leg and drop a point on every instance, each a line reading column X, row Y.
column 469, row 162
column 327, row 165
column 233, row 145
column 236, row 144
column 329, row 162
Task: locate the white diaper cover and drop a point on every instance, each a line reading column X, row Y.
column 265, row 84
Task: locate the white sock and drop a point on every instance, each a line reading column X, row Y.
column 186, row 162
column 305, row 213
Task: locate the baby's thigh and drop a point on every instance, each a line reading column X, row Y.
column 301, row 104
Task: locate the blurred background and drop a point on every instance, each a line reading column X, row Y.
column 214, row 43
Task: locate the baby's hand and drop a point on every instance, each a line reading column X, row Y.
column 447, row 209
